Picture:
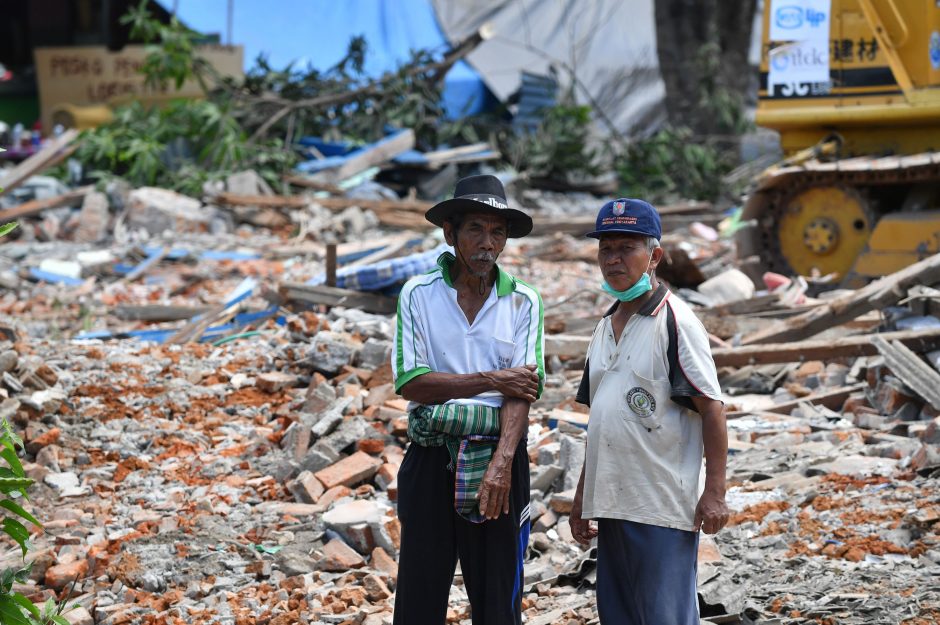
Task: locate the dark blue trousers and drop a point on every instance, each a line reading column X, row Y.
column 646, row 574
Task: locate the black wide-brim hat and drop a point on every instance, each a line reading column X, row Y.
column 481, row 194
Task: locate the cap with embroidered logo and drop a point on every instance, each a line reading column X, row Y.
column 627, row 215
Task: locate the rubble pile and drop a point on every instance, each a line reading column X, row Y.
column 215, row 437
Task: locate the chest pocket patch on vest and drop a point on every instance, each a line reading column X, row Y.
column 641, row 402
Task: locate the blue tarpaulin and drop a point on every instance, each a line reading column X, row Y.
column 386, row 273
column 317, row 32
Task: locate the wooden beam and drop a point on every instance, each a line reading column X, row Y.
column 832, row 399
column 34, row 207
column 331, row 296
column 578, row 225
column 146, row 265
column 332, row 203
column 370, row 156
column 378, row 206
column 262, row 201
column 848, row 347
column 883, row 292
column 157, row 312
column 310, row 183
column 45, row 157
column 331, row 264
column 911, row 369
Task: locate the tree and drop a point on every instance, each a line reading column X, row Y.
column 703, row 57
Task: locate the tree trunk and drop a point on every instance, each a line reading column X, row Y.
column 703, row 47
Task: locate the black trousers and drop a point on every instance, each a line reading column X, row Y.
column 433, row 536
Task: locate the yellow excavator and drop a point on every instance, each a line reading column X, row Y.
column 858, row 194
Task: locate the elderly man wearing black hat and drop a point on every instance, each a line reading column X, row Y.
column 468, row 357
column 656, row 409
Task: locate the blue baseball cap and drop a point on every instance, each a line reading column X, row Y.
column 628, row 216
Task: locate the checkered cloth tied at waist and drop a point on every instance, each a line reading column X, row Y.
column 470, row 434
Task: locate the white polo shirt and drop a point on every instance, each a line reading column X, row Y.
column 432, row 332
column 644, row 459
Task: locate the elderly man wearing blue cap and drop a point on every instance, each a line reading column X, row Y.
column 656, row 410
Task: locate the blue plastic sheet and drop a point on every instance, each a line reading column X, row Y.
column 385, row 273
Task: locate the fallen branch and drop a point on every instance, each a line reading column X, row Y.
column 437, row 70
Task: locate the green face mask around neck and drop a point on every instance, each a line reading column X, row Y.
column 641, row 286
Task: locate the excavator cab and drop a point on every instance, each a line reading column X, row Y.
column 853, row 88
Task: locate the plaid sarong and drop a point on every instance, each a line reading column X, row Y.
column 470, row 434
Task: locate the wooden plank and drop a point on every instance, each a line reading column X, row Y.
column 578, row 225
column 37, row 162
column 310, row 183
column 194, row 329
column 392, row 249
column 34, row 207
column 370, row 156
column 147, row 264
column 262, row 201
column 908, row 366
column 157, row 312
column 832, row 399
column 377, row 206
column 333, row 203
column 883, row 292
column 848, row 347
column 332, row 296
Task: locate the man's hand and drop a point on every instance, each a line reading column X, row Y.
column 521, row 382
column 582, row 529
column 711, row 513
column 494, row 491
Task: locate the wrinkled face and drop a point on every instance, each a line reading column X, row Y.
column 478, row 242
column 623, row 258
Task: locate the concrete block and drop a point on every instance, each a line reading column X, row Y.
column 306, row 488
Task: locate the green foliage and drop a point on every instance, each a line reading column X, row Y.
column 672, row 165
column 14, row 607
column 173, row 61
column 250, row 124
column 724, row 107
column 6, row 229
column 179, row 146
column 559, row 147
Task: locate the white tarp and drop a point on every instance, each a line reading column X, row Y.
column 609, row 44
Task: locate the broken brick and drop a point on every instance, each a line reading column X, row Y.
column 339, row 557
column 350, row 470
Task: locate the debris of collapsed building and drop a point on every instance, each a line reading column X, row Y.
column 215, row 437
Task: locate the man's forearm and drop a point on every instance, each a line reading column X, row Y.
column 715, row 440
column 513, row 423
column 438, row 388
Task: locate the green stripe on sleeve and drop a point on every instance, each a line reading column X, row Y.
column 399, row 342
column 408, row 376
